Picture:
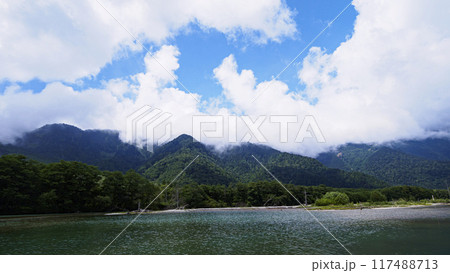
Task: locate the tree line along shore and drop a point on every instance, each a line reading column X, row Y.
column 28, row 186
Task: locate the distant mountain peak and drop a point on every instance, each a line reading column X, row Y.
column 183, row 137
column 60, row 141
column 58, row 126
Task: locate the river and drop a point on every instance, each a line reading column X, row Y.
column 275, row 231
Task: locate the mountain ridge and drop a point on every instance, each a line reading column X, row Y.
column 105, row 150
column 358, row 165
column 55, row 142
column 390, row 164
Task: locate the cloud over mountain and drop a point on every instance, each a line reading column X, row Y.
column 388, row 81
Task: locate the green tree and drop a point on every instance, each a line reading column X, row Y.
column 74, row 185
column 20, row 183
column 140, row 190
column 377, row 196
column 192, row 196
column 333, row 198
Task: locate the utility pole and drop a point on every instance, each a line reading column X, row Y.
column 306, row 199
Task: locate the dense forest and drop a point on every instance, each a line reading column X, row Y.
column 104, row 149
column 29, row 186
column 236, row 164
column 399, row 164
column 423, row 163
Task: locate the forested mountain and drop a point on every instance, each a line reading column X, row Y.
column 430, row 148
column 217, row 178
column 352, row 165
column 170, row 159
column 391, row 164
column 290, row 168
column 237, row 165
column 55, row 142
column 104, row 149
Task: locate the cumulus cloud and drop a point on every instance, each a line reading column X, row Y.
column 22, row 111
column 99, row 108
column 389, row 81
column 274, row 104
column 38, row 38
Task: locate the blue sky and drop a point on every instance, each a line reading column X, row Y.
column 198, row 60
column 203, row 50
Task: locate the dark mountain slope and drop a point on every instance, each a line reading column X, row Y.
column 430, row 148
column 237, row 164
column 105, row 150
column 52, row 143
column 290, row 168
column 389, row 164
column 170, row 159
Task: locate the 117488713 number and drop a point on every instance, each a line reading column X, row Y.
column 404, row 264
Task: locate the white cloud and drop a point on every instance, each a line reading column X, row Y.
column 66, row 40
column 23, row 111
column 391, row 76
column 161, row 66
column 271, row 19
column 388, row 81
column 101, row 108
column 241, row 88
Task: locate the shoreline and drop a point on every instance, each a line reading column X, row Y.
column 267, row 208
column 326, row 208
